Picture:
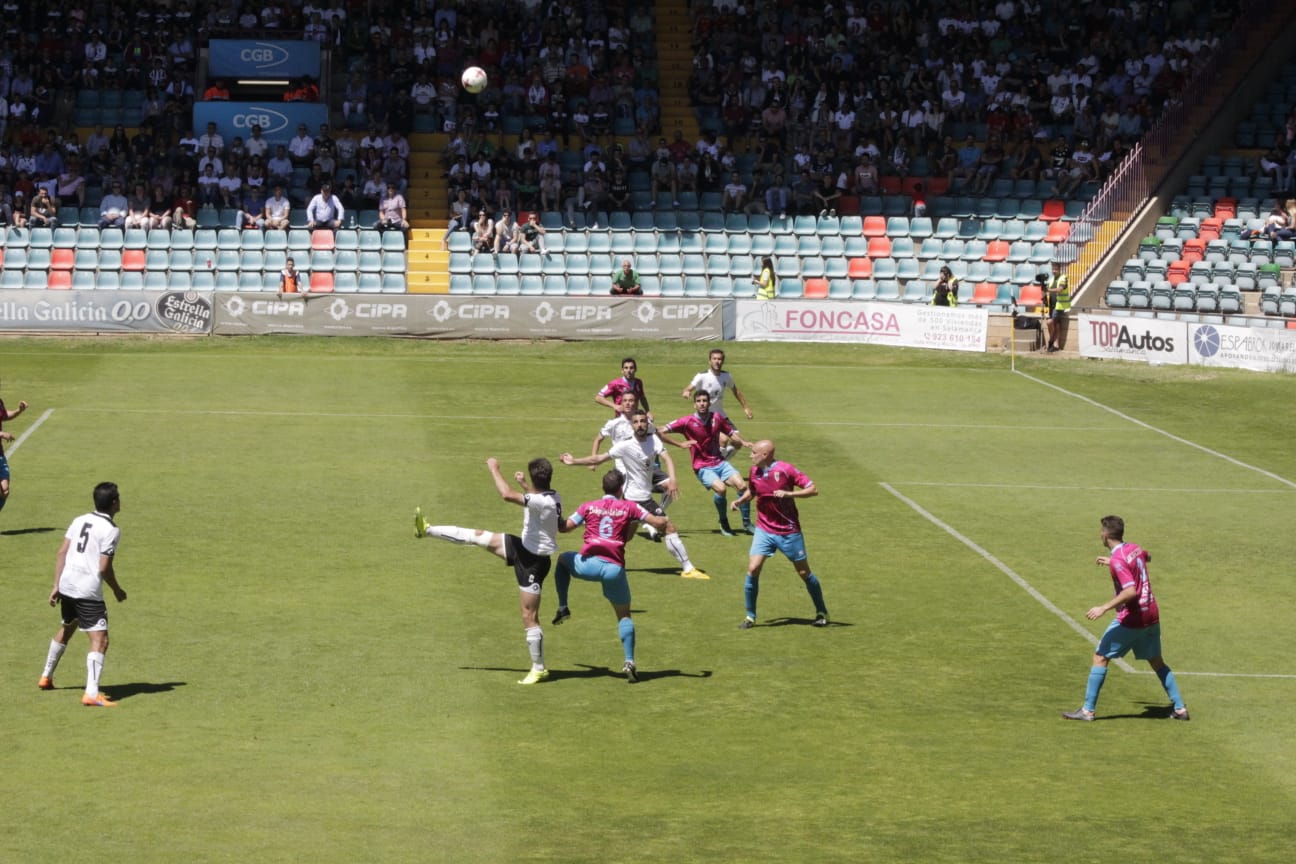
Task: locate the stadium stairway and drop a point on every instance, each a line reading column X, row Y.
column 675, row 64
column 428, row 265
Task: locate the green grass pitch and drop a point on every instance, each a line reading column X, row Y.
column 301, row 681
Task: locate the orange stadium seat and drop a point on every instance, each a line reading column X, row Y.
column 875, row 226
column 879, row 247
column 985, row 292
column 60, row 279
column 815, row 289
column 860, row 268
column 321, row 283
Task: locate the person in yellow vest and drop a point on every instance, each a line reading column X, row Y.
column 766, row 282
column 946, row 291
column 1057, row 298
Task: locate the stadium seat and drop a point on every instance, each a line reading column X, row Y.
column 860, row 268
column 321, row 282
column 879, row 247
column 394, row 262
column 66, row 259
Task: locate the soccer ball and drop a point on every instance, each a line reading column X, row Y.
column 474, row 79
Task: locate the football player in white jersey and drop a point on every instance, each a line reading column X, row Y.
column 636, row 458
column 529, row 553
column 84, row 563
column 715, row 381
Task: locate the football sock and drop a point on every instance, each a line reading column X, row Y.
column 1171, row 688
column 94, row 666
column 816, row 593
column 562, row 579
column 1097, row 674
column 675, row 546
column 719, row 501
column 625, row 629
column 463, row 536
column 745, row 510
column 751, row 588
column 535, row 644
column 52, row 659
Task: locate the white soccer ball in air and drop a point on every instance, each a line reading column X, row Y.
column 474, row 79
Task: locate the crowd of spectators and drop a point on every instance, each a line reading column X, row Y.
column 806, row 102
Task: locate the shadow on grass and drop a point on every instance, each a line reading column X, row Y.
column 16, row 532
column 118, row 692
column 806, row 622
column 582, row 671
column 1149, row 712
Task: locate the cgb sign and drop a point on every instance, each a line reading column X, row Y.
column 244, row 58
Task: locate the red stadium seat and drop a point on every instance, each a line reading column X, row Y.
column 815, row 289
column 1053, row 210
column 997, row 250
column 1058, row 232
column 133, row 260
column 321, row 283
column 874, row 226
column 860, row 268
column 62, row 259
column 1031, row 295
column 879, row 247
column 985, row 292
column 60, row 279
column 322, row 239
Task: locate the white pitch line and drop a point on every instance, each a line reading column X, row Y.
column 1003, row 568
column 215, row 412
column 1048, row 604
column 943, row 485
column 30, row 429
column 1170, row 435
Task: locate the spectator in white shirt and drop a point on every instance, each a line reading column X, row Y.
column 325, row 210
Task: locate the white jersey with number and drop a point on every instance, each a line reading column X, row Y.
column 89, row 537
column 714, row 386
column 543, row 511
column 635, row 459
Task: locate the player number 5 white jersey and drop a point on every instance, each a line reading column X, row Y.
column 89, row 537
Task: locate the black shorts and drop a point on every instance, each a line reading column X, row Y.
column 88, row 614
column 652, row 507
column 530, row 568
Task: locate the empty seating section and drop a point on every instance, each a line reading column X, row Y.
column 86, row 257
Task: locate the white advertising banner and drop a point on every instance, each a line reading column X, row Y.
column 1260, row 348
column 1149, row 340
column 106, row 311
column 901, row 324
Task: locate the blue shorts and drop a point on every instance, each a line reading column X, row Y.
column 616, row 587
column 721, row 472
column 791, row 545
column 1119, row 640
column 4, row 467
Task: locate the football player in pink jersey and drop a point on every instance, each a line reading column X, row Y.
column 6, row 436
column 1137, row 626
column 610, row 395
column 609, row 524
column 703, row 431
column 776, row 485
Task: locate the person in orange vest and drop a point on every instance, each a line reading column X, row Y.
column 218, row 92
column 289, row 279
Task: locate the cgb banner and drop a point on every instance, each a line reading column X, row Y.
column 103, row 311
column 455, row 317
column 278, row 120
column 245, row 58
column 902, row 324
